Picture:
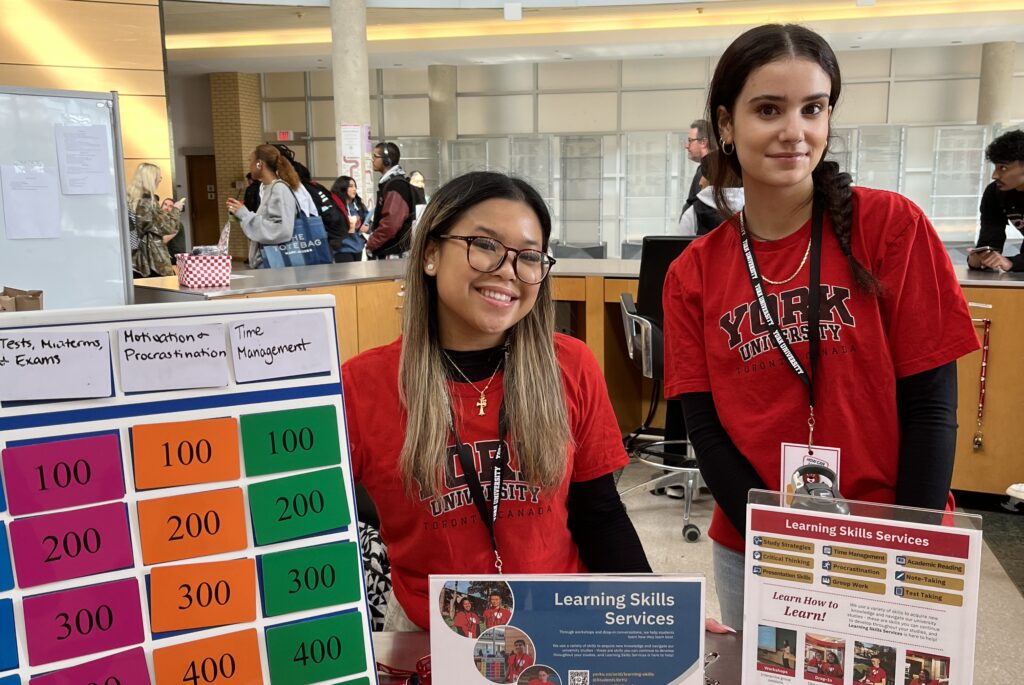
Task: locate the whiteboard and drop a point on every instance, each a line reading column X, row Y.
column 86, row 263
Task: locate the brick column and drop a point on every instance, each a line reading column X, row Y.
column 237, row 130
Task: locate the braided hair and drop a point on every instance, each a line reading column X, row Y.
column 753, row 49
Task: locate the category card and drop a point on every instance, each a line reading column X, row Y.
column 71, row 544
column 298, row 506
column 185, row 453
column 194, row 525
column 54, row 365
column 202, row 595
column 8, row 636
column 290, row 440
column 86, row 620
column 231, row 658
column 316, row 650
column 310, row 578
column 121, row 668
column 263, row 349
column 6, row 572
column 172, row 357
column 66, row 473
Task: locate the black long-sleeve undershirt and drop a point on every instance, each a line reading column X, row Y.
column 926, row 405
column 600, row 526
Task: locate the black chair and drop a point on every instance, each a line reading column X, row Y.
column 643, row 321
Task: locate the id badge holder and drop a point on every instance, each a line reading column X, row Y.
column 795, row 455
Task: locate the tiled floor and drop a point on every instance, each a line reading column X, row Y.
column 1001, row 612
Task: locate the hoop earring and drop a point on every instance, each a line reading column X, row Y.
column 732, row 148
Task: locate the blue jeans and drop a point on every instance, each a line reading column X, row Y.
column 729, row 575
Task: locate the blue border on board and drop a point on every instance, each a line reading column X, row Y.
column 110, row 413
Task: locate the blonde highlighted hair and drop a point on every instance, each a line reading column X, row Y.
column 534, row 394
column 144, row 182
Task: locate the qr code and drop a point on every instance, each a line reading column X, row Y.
column 579, row 678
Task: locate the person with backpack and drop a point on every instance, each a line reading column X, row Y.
column 335, row 222
column 395, row 210
column 273, row 222
column 703, row 216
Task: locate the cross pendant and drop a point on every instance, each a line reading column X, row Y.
column 482, row 403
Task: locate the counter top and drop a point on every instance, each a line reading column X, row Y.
column 247, row 282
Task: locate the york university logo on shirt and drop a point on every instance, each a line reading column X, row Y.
column 747, row 332
column 514, row 489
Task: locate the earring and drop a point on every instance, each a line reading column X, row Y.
column 430, row 267
column 732, row 147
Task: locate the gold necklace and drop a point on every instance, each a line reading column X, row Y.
column 482, row 402
column 807, row 252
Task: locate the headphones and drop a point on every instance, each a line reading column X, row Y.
column 385, row 154
column 817, row 495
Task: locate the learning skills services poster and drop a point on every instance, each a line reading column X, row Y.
column 567, row 630
column 839, row 599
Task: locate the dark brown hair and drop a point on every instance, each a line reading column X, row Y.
column 754, row 49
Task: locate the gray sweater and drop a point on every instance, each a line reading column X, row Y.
column 271, row 224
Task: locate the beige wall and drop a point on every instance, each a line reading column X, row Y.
column 95, row 46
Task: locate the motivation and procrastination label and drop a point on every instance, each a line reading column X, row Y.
column 280, row 347
column 881, row 598
column 71, row 544
column 172, row 357
column 63, row 473
column 54, row 365
column 86, row 620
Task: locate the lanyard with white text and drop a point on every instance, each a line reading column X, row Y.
column 813, row 309
column 476, row 490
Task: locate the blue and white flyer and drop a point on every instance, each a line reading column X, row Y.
column 567, row 630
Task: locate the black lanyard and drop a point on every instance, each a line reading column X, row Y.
column 813, row 308
column 476, row 490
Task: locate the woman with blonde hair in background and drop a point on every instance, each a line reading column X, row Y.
column 153, row 225
column 490, row 439
column 274, row 221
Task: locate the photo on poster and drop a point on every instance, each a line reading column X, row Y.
column 502, row 654
column 926, row 669
column 873, row 664
column 471, row 607
column 824, row 657
column 775, row 651
column 539, row 675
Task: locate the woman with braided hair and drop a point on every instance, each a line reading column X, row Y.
column 849, row 351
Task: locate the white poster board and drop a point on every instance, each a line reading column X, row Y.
column 175, row 527
column 832, row 598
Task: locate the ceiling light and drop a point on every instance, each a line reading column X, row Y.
column 865, row 3
column 513, row 11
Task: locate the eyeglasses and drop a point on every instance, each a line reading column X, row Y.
column 691, row 141
column 487, row 255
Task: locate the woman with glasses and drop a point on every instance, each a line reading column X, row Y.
column 477, row 392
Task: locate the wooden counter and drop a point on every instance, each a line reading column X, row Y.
column 368, row 314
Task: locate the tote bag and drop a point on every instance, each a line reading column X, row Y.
column 308, row 245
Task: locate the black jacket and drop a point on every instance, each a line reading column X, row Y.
column 334, row 219
column 998, row 208
column 399, row 242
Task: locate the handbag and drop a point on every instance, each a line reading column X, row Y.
column 307, row 246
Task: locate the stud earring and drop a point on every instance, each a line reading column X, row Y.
column 430, row 267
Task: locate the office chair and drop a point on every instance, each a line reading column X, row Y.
column 643, row 321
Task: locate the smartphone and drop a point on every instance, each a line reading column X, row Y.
column 980, row 250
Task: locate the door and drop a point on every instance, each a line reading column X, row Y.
column 202, row 199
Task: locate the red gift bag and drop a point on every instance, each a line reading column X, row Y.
column 203, row 271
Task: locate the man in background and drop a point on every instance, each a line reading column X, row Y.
column 395, row 210
column 1001, row 204
column 698, row 145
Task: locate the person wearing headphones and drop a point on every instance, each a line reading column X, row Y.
column 396, row 205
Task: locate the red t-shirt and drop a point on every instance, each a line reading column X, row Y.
column 538, row 681
column 716, row 341
column 875, row 675
column 446, row 536
column 517, row 664
column 496, row 617
column 468, row 623
column 831, row 669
